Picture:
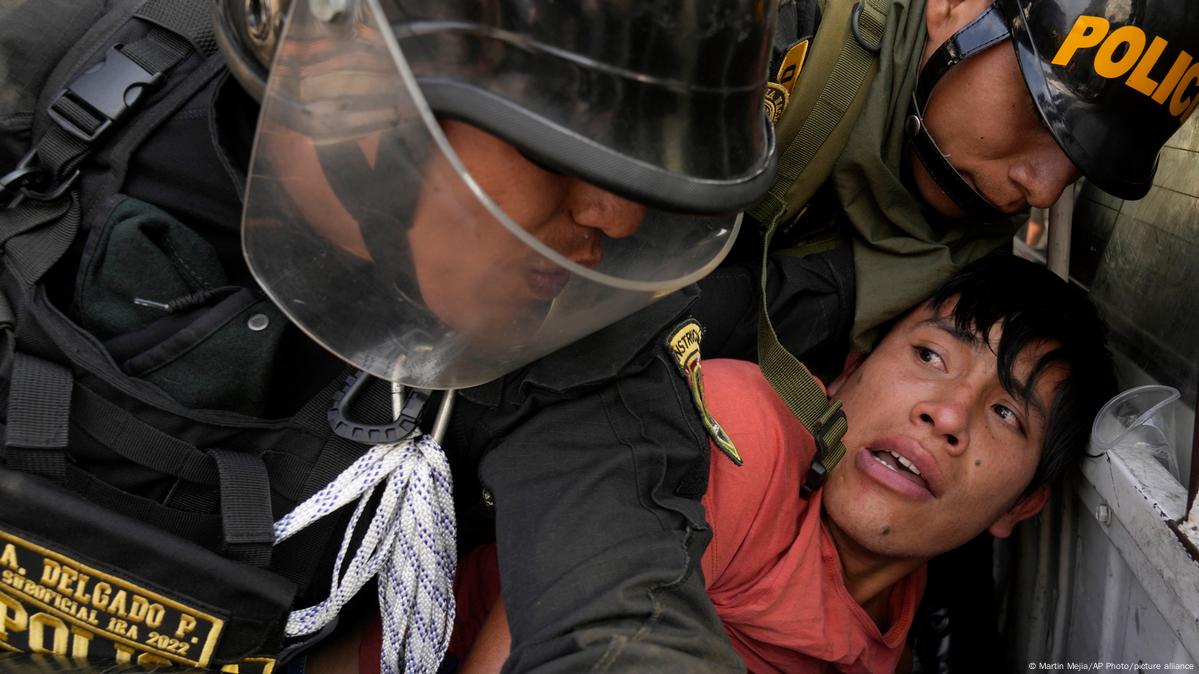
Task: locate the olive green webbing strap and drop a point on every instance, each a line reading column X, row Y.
column 804, row 166
column 827, row 108
column 800, row 390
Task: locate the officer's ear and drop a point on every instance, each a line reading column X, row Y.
column 943, row 18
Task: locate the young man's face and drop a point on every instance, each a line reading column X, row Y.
column 983, row 118
column 933, row 397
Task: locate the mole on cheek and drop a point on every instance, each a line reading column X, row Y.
column 978, row 462
column 885, row 530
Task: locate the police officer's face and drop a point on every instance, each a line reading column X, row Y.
column 931, row 398
column 471, row 270
column 982, row 117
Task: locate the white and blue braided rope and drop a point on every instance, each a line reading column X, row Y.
column 409, row 544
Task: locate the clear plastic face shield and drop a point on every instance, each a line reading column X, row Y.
column 429, row 252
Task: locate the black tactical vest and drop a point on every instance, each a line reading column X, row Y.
column 159, row 413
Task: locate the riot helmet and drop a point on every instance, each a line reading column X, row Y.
column 442, row 191
column 1111, row 80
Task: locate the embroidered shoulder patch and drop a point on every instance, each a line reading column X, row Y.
column 682, row 343
column 779, row 90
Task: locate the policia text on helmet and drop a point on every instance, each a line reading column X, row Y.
column 1109, row 82
column 442, row 192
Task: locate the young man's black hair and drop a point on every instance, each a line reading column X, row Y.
column 1033, row 306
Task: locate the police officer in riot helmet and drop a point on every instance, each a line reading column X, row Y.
column 571, row 165
column 441, row 193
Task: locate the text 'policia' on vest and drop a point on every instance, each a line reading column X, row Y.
column 164, row 416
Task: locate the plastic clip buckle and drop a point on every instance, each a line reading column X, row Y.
column 816, row 475
column 107, row 90
column 818, row 472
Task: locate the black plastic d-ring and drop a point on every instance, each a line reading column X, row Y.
column 857, row 35
column 374, row 434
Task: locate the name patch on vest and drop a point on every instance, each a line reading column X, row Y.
column 1146, row 63
column 55, row 605
column 683, row 344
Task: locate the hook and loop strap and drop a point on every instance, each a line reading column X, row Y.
column 39, row 405
column 247, row 525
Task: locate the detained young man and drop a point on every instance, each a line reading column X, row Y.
column 971, row 408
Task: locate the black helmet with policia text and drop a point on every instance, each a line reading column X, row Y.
column 1112, row 80
column 658, row 103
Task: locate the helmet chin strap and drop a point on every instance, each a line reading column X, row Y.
column 989, row 29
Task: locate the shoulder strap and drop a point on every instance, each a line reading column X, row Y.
column 40, row 199
column 804, row 396
column 846, row 47
column 40, row 189
column 822, row 111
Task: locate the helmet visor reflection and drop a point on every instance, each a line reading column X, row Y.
column 429, row 252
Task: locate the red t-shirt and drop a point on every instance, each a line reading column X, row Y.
column 772, row 570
